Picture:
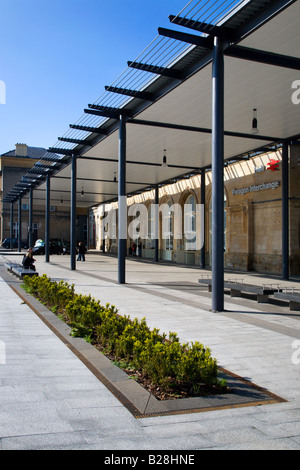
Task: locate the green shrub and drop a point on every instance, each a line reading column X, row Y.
column 52, row 292
column 110, row 328
column 164, row 360
column 80, row 331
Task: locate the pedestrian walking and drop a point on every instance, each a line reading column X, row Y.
column 133, row 246
column 81, row 252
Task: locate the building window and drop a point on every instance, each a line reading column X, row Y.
column 189, row 223
column 151, row 228
column 168, row 227
column 25, row 207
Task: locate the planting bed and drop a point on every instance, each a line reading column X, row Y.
column 133, row 388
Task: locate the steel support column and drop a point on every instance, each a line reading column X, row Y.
column 103, row 229
column 88, row 230
column 47, row 221
column 30, row 224
column 73, row 211
column 11, row 225
column 202, row 250
column 217, row 176
column 20, row 224
column 285, row 211
column 122, row 202
column 156, row 224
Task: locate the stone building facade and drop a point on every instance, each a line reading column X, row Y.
column 252, row 217
column 13, row 166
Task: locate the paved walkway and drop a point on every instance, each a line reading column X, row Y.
column 50, row 400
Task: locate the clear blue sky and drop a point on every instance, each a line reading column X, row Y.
column 56, row 56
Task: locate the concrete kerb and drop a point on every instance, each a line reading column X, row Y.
column 132, row 395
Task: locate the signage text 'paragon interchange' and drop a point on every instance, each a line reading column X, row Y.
column 256, row 187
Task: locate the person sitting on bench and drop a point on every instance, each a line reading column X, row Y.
column 28, row 260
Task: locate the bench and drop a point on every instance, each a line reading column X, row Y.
column 292, row 297
column 9, row 266
column 237, row 286
column 20, row 272
column 206, row 281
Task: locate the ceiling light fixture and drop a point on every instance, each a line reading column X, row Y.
column 164, row 163
column 254, row 129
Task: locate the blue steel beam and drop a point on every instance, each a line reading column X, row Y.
column 122, row 208
column 47, row 221
column 20, row 224
column 109, row 112
column 167, row 72
column 30, row 224
column 11, row 225
column 207, row 43
column 73, row 211
column 202, row 249
column 156, row 224
column 263, row 57
column 59, row 151
column 218, row 177
column 238, row 52
column 143, row 95
column 285, row 211
column 93, row 130
column 204, row 130
column 74, row 141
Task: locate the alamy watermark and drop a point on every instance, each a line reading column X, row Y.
column 296, row 353
column 296, row 94
column 2, row 353
column 140, row 222
column 2, row 92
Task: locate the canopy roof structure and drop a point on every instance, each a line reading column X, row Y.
column 165, row 96
column 190, row 102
